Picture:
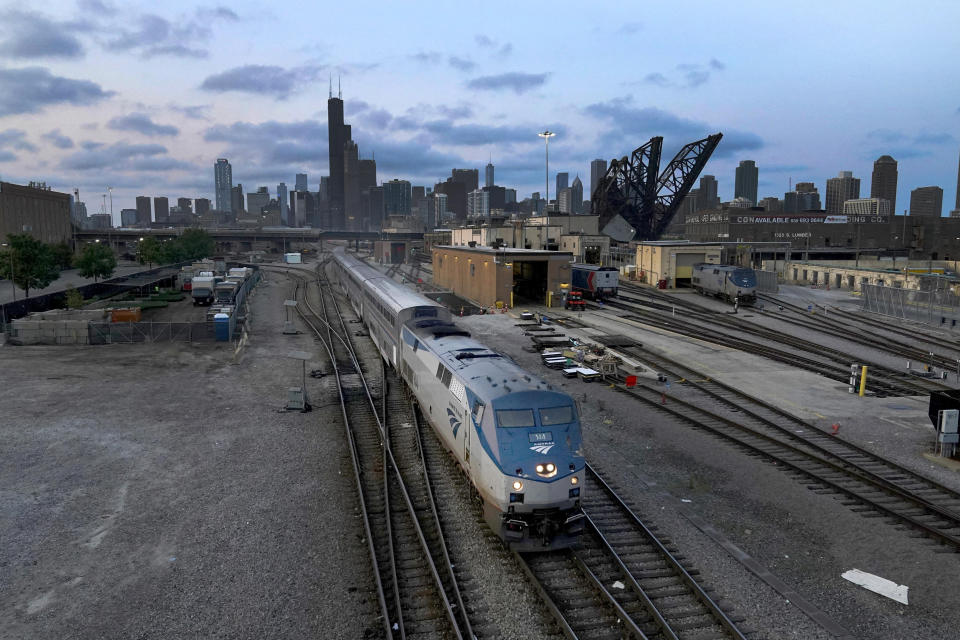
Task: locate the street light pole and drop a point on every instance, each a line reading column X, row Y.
column 546, row 135
column 13, row 284
column 109, row 240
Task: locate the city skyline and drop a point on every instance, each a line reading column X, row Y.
column 145, row 100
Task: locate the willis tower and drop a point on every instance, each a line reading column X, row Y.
column 339, row 134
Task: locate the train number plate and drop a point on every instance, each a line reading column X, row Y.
column 543, row 436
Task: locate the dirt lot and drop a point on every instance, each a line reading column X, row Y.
column 157, row 491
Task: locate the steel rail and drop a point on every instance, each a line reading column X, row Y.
column 783, row 460
column 468, row 630
column 697, row 590
column 853, row 448
column 391, row 463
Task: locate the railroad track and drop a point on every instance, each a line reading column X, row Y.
column 846, row 324
column 870, row 484
column 623, row 581
column 884, row 381
column 659, row 598
column 416, row 598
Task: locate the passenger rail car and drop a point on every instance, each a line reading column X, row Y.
column 732, row 283
column 517, row 438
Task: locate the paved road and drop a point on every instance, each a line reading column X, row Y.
column 67, row 278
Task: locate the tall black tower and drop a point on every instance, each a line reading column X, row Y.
column 338, row 135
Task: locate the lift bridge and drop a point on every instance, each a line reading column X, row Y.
column 637, row 202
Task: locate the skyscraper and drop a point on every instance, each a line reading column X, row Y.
column 926, row 201
column 237, row 206
column 456, row 197
column 707, row 194
column 397, row 197
column 598, row 169
column 284, row 204
column 367, row 168
column 883, row 181
column 301, row 182
column 478, row 204
column 576, row 195
column 337, row 134
column 223, row 182
column 143, row 211
column 469, row 178
column 489, row 175
column 565, row 201
column 563, row 181
column 747, row 176
column 958, row 188
column 185, row 204
column 161, row 209
column 840, row 189
column 351, row 186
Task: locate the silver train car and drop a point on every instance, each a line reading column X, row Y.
column 734, row 284
column 517, row 438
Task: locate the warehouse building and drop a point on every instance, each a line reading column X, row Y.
column 669, row 263
column 488, row 276
column 35, row 210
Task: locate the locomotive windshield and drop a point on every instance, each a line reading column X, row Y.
column 515, row 418
column 744, row 278
column 556, row 415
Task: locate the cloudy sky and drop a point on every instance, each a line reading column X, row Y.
column 144, row 97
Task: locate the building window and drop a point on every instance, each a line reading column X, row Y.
column 472, row 269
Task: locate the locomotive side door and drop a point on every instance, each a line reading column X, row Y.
column 477, row 417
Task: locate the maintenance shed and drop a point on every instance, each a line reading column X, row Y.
column 485, row 275
column 670, row 262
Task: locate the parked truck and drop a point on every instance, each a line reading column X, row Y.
column 225, row 292
column 202, row 290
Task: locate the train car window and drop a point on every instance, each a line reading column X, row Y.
column 478, row 411
column 425, row 312
column 439, row 371
column 556, row 415
column 447, row 376
column 515, row 418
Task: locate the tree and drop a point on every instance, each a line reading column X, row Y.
column 28, row 262
column 196, row 244
column 150, row 251
column 96, row 261
column 171, row 251
column 62, row 255
column 74, row 298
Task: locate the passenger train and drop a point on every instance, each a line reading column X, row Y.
column 516, row 437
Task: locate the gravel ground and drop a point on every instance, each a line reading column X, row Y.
column 805, row 538
column 156, row 491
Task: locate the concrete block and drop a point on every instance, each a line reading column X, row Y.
column 66, row 340
column 48, row 332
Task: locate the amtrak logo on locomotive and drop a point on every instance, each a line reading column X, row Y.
column 454, row 421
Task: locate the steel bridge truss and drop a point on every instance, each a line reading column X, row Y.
column 635, row 201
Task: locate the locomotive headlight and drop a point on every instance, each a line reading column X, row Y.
column 540, row 468
column 517, row 485
column 574, row 480
column 550, row 467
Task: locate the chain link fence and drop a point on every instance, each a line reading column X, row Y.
column 933, row 304
column 128, row 332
